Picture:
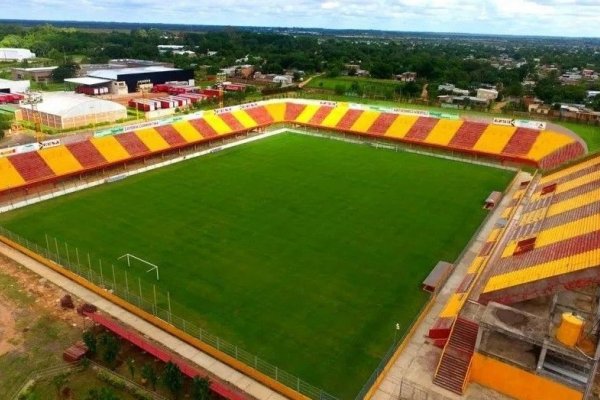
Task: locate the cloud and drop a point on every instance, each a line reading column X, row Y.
column 539, row 17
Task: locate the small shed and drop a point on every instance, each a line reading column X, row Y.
column 437, row 276
column 492, row 200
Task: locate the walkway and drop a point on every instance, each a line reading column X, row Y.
column 222, row 371
column 415, row 366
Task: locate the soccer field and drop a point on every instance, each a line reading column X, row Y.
column 304, row 251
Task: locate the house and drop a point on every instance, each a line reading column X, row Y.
column 284, row 80
column 407, row 77
column 487, row 94
column 39, row 74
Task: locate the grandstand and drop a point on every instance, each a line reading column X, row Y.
column 504, row 326
column 503, row 144
column 546, row 245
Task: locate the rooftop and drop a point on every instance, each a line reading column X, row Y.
column 87, row 81
column 113, row 74
column 69, row 104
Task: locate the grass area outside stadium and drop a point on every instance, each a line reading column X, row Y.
column 302, row 250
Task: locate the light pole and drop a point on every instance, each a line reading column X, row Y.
column 33, row 99
column 396, row 333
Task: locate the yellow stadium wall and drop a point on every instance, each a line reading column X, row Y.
column 517, row 383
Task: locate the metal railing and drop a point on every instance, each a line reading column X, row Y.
column 150, row 301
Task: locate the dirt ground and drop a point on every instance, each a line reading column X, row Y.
column 34, row 329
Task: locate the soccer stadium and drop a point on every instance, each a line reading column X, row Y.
column 305, row 243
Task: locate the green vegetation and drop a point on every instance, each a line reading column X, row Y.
column 302, row 250
column 589, row 133
column 366, row 87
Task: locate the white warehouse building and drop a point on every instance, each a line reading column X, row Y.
column 64, row 110
column 13, row 54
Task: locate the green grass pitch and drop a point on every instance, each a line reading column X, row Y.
column 305, row 251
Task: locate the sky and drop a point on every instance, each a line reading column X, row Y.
column 514, row 17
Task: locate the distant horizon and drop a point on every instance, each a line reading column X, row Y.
column 535, row 18
column 308, row 28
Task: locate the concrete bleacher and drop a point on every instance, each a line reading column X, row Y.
column 86, row 154
column 260, row 115
column 293, row 111
column 110, row 149
column 349, row 118
column 244, row 119
column 152, row 139
column 60, row 160
column 203, row 128
column 321, row 113
column 364, row 121
column 170, row 135
column 11, row 177
column 468, row 135
column 443, row 132
column 132, row 144
column 216, row 123
column 560, row 223
column 500, row 142
column 382, row 123
column 31, row 166
column 233, row 123
column 421, row 128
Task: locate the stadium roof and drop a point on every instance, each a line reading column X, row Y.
column 69, row 104
column 87, row 81
column 113, row 74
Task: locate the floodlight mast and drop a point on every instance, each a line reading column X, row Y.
column 130, row 256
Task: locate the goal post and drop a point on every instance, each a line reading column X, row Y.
column 129, row 256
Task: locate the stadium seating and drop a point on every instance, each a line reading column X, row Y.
column 10, row 176
column 401, row 126
column 31, row 166
column 110, row 148
column 320, row 115
column 467, row 135
column 546, row 142
column 493, row 139
column 132, row 144
column 60, row 160
column 443, row 132
column 520, row 142
column 382, row 123
column 260, row 115
column 307, row 113
column 216, row 123
column 203, row 128
column 232, row 121
column 348, row 119
column 421, row 128
column 245, row 120
column 170, row 135
column 334, row 117
column 86, row 154
column 364, row 121
column 293, row 111
column 545, row 148
column 277, row 111
column 152, row 139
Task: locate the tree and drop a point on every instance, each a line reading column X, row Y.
column 63, row 72
column 381, row 71
column 111, row 346
column 59, row 381
column 101, row 394
column 89, row 338
column 173, row 379
column 339, row 89
column 149, row 374
column 200, row 388
column 131, row 367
